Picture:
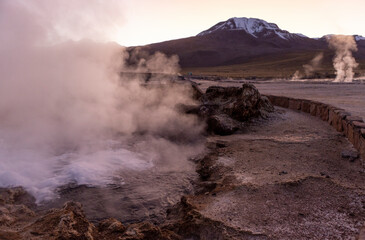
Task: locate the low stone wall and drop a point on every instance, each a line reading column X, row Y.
column 353, row 127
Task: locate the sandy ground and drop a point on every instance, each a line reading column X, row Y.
column 349, row 96
column 286, row 180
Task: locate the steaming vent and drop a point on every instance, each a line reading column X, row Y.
column 343, row 62
column 68, row 115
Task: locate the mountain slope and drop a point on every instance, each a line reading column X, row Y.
column 239, row 41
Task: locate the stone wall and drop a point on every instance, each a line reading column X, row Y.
column 353, row 127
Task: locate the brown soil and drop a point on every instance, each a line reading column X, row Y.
column 284, row 179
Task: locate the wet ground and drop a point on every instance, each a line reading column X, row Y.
column 144, row 196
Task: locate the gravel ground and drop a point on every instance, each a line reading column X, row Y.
column 350, row 96
column 285, row 179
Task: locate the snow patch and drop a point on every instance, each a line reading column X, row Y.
column 359, row 38
column 252, row 26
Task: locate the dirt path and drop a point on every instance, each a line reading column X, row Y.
column 285, row 179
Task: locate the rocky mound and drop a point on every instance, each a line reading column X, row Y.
column 19, row 220
column 226, row 109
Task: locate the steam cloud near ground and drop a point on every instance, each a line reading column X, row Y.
column 310, row 68
column 67, row 115
column 343, row 62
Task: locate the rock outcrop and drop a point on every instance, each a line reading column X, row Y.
column 18, row 221
column 226, row 109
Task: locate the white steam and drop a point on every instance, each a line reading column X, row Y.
column 343, row 62
column 67, row 115
column 310, row 68
column 314, row 65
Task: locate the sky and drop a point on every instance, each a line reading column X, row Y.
column 150, row 21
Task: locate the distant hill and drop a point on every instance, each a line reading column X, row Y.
column 239, row 42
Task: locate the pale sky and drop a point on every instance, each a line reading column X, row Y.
column 149, row 21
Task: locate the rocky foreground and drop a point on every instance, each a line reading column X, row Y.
column 280, row 178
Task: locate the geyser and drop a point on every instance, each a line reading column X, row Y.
column 343, row 62
column 67, row 115
column 310, row 68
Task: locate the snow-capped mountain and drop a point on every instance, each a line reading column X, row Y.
column 256, row 27
column 359, row 38
column 241, row 40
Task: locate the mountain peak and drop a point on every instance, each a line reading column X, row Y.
column 359, row 38
column 253, row 26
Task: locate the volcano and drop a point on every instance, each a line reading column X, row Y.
column 248, row 41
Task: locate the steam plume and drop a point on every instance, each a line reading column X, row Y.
column 343, row 62
column 310, row 68
column 314, row 65
column 67, row 115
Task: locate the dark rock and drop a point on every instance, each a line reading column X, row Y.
column 185, row 220
column 239, row 103
column 344, row 114
column 145, row 230
column 354, row 118
column 111, row 225
column 265, row 107
column 224, row 108
column 204, row 168
column 221, row 144
column 323, row 174
column 350, row 155
column 197, row 93
column 207, row 110
column 222, row 124
column 16, row 195
column 306, row 106
column 295, row 104
column 313, row 108
column 68, row 223
column 358, row 124
column 206, row 186
column 188, row 109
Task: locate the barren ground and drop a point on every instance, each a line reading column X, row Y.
column 349, row 96
column 281, row 178
column 285, row 179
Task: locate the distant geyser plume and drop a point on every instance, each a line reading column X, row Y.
column 310, row 68
column 343, row 62
column 66, row 112
column 314, row 65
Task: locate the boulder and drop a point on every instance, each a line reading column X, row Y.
column 18, row 222
column 225, row 108
column 222, row 124
column 239, row 103
column 197, row 93
column 66, row 223
column 350, row 155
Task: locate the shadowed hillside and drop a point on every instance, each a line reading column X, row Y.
column 250, row 48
